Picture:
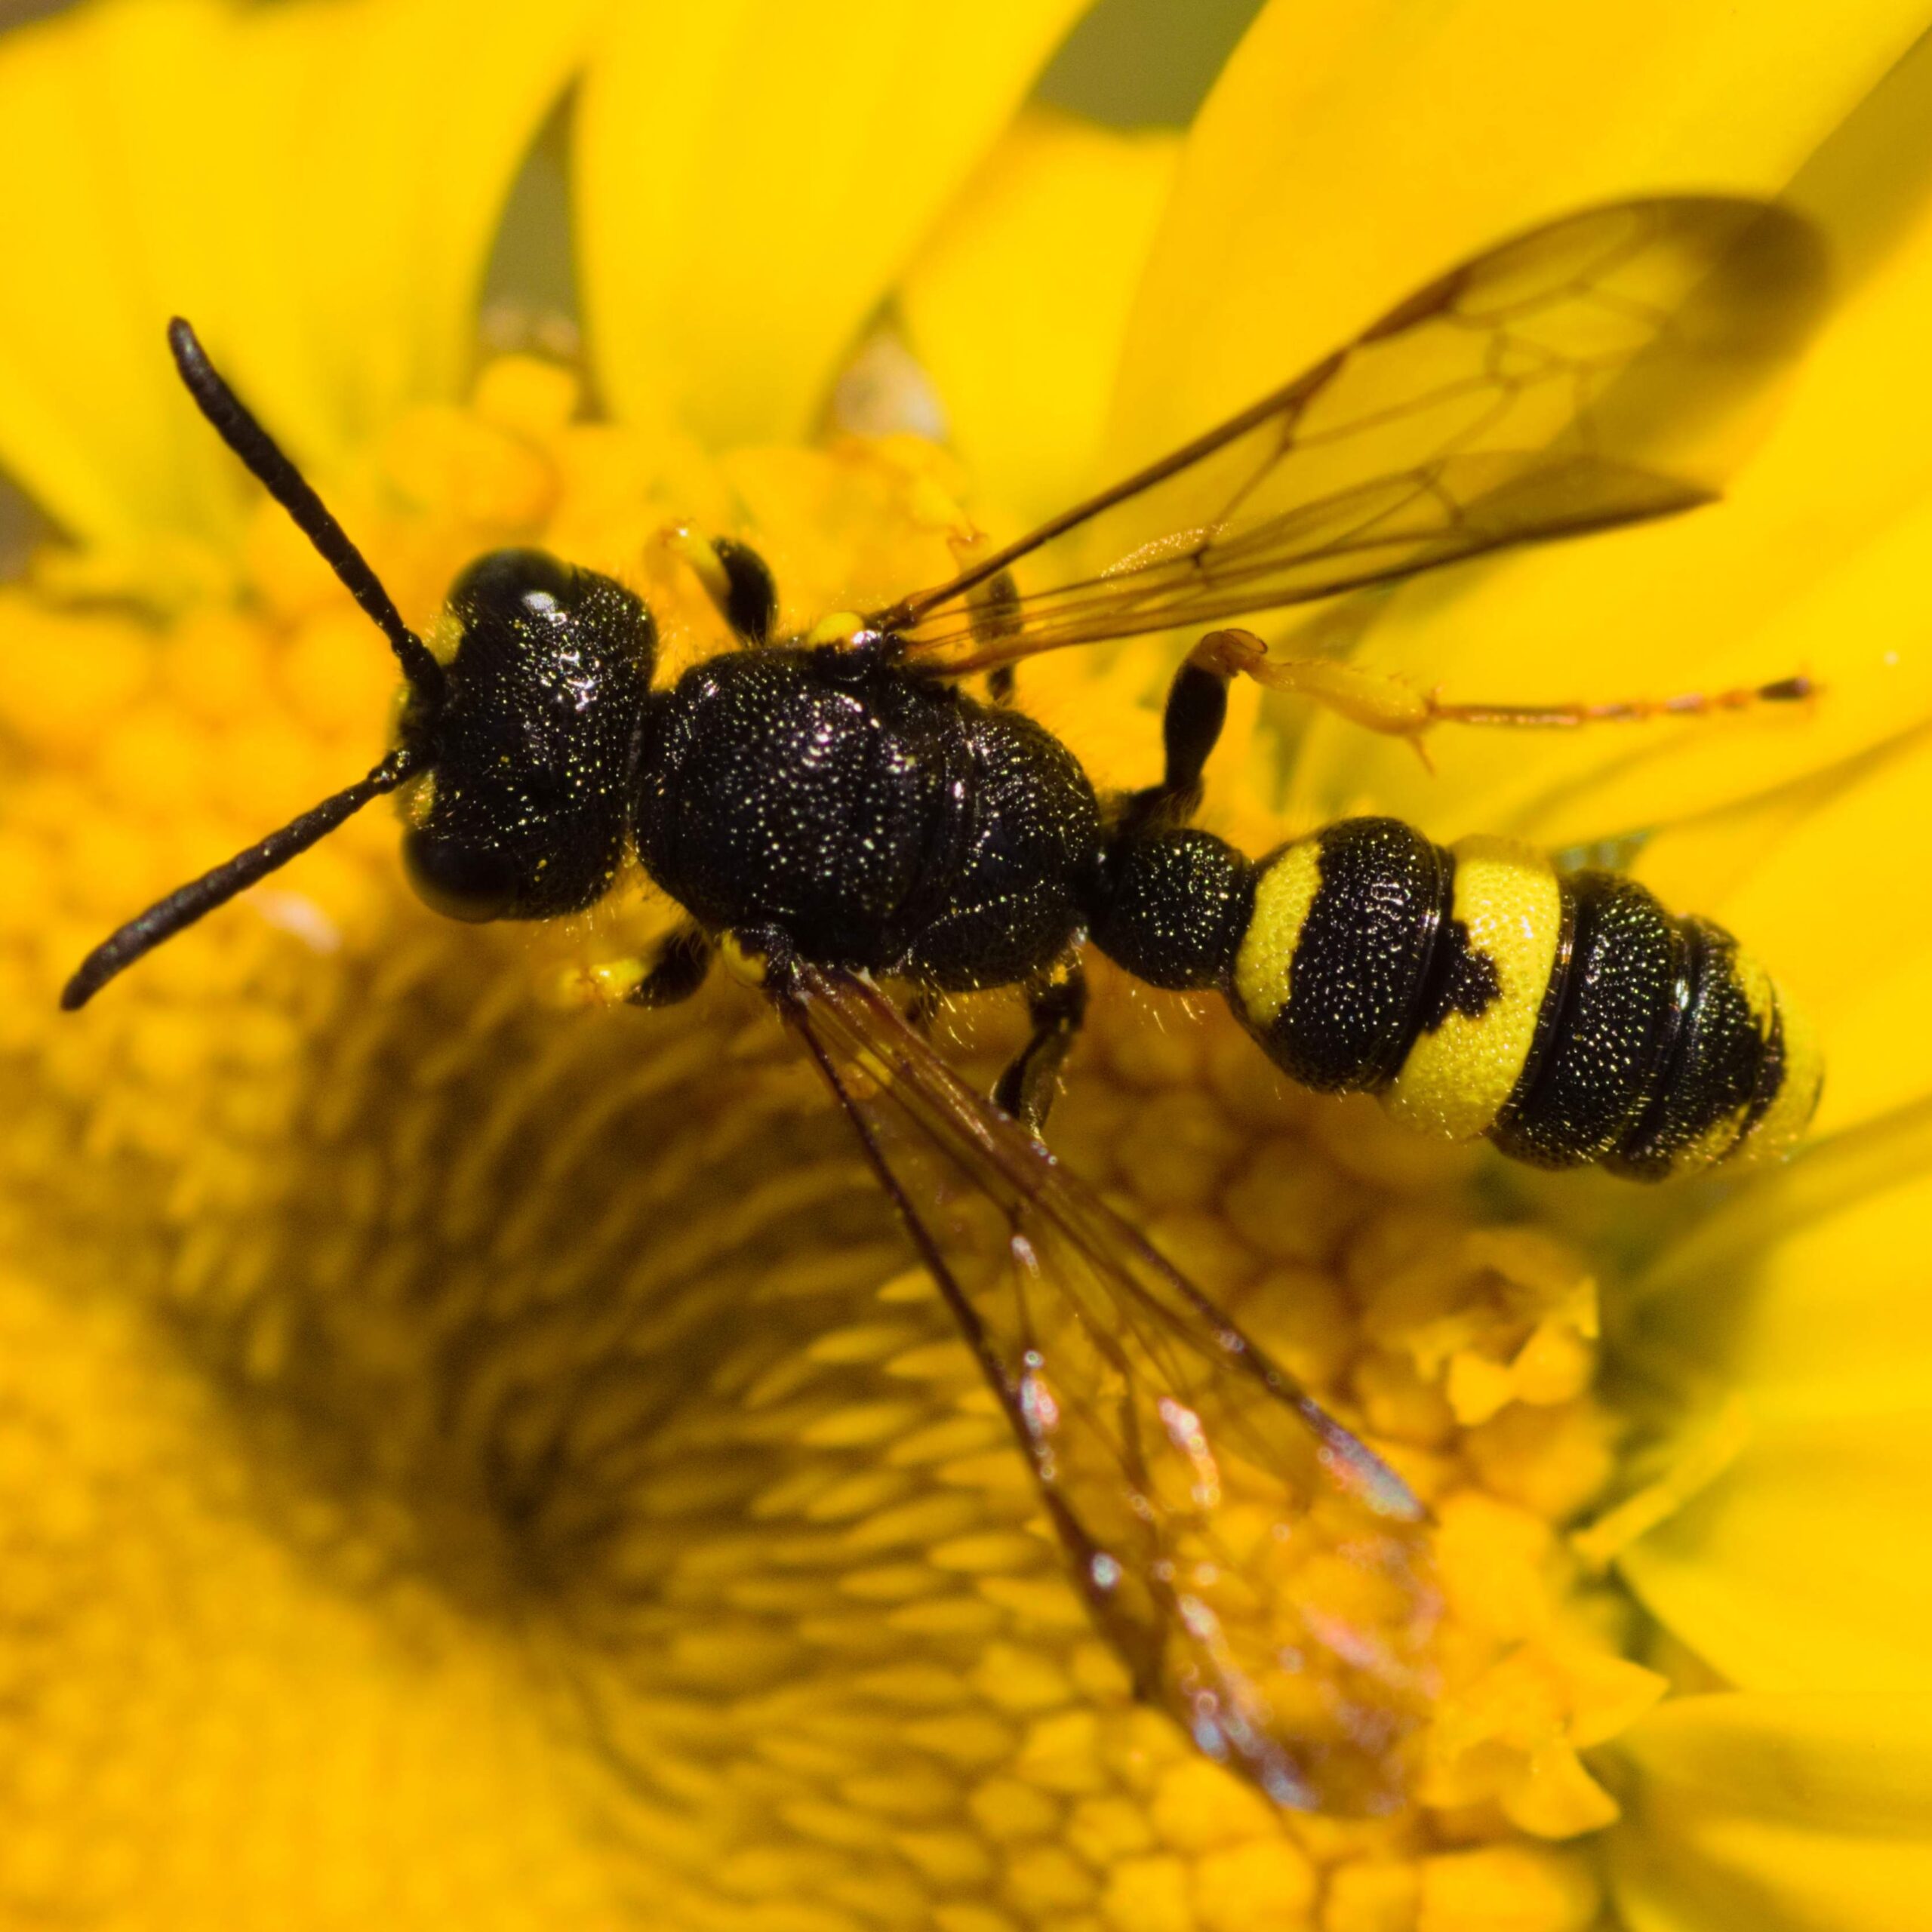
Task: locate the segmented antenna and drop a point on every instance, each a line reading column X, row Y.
column 186, row 903
column 238, row 429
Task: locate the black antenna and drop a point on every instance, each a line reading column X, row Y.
column 239, row 430
column 186, row 904
column 257, row 449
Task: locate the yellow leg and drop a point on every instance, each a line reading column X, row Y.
column 1625, row 711
column 1374, row 700
column 734, row 576
column 1380, row 701
column 674, row 971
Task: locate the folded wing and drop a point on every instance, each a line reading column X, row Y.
column 1264, row 1576
column 1604, row 369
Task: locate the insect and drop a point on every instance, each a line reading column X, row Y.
column 831, row 807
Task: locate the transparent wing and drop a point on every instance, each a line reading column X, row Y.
column 1592, row 372
column 1266, row 1578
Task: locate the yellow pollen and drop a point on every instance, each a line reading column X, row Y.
column 836, row 629
column 747, row 967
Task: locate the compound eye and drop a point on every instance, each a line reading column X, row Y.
column 461, row 880
column 510, row 580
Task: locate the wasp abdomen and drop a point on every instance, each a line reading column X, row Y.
column 1569, row 1017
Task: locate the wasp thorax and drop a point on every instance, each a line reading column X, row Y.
column 524, row 812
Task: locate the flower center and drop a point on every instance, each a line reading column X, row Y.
column 588, row 1327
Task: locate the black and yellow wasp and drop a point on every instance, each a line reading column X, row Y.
column 833, row 807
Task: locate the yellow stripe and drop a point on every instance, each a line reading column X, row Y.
column 1717, row 1141
column 1788, row 1116
column 1283, row 894
column 1456, row 1079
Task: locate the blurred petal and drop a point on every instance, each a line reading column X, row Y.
column 1801, row 1567
column 1018, row 303
column 1781, row 1814
column 1825, row 899
column 1798, row 1567
column 1814, row 564
column 753, row 175
column 1349, row 152
column 1835, row 1324
column 315, row 186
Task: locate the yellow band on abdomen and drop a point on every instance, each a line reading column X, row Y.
column 1284, row 891
column 1506, row 921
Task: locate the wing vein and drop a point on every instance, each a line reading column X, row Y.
column 1591, row 373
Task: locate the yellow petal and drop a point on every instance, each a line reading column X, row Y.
column 1837, row 1322
column 1018, row 304
column 753, row 176
column 1796, row 1566
column 1349, row 152
column 1800, row 1568
column 1824, row 901
column 1813, row 564
column 315, row 186
column 1778, row 1814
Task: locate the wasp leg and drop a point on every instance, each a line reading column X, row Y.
column 676, row 970
column 1056, row 1005
column 736, row 579
column 751, row 601
column 1379, row 701
column 995, row 606
column 1197, row 707
column 1624, row 711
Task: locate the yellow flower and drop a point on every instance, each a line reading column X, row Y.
column 467, row 1461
